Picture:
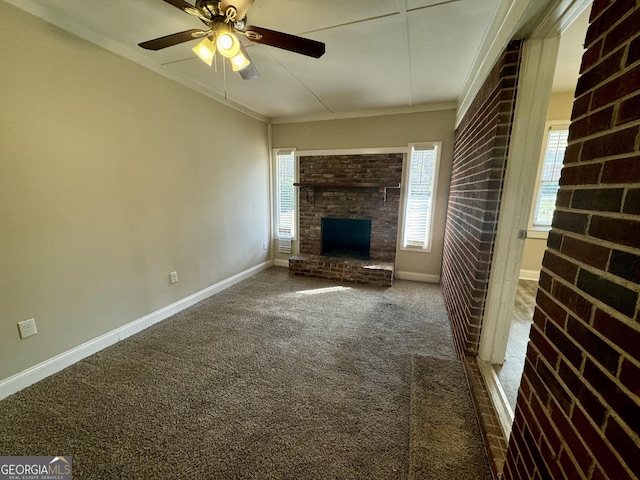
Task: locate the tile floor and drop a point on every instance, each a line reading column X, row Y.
column 510, row 372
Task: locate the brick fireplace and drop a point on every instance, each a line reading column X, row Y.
column 349, row 187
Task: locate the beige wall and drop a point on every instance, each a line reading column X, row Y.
column 378, row 132
column 560, row 107
column 111, row 177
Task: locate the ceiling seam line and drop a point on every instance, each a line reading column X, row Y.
column 301, row 83
column 424, row 7
column 347, row 24
column 402, row 7
column 371, row 19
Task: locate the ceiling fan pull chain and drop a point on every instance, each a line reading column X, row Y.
column 224, row 76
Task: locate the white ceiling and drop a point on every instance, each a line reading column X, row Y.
column 380, row 54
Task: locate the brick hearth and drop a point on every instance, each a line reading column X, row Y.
column 342, row 269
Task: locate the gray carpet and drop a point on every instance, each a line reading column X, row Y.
column 444, row 431
column 274, row 378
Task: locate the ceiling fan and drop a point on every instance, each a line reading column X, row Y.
column 224, row 20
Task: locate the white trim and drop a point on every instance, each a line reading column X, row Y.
column 529, row 274
column 417, row 277
column 560, row 17
column 498, row 397
column 272, row 199
column 351, row 151
column 38, row 372
column 377, row 112
column 281, row 262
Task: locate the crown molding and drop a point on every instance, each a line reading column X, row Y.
column 378, row 112
column 560, row 17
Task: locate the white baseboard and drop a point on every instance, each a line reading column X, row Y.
column 281, row 262
column 34, row 374
column 530, row 275
column 417, row 277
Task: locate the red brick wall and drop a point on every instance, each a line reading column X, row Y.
column 479, row 165
column 325, row 200
column 578, row 410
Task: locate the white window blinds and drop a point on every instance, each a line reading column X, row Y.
column 550, row 177
column 419, row 197
column 285, row 193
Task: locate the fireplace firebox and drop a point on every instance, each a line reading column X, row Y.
column 346, row 237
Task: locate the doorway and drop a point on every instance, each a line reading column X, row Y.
column 549, row 75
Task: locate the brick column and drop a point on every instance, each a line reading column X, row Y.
column 479, row 166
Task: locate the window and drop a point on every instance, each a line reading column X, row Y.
column 549, row 176
column 285, row 193
column 420, row 181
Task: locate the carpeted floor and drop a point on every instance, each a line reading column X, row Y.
column 444, row 434
column 274, row 378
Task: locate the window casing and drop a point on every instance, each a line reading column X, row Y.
column 555, row 144
column 285, row 174
column 420, row 180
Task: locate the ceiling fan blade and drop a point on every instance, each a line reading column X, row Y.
column 241, row 6
column 293, row 43
column 173, row 39
column 188, row 8
column 181, row 4
column 249, row 72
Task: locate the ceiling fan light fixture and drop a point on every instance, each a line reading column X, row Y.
column 205, row 50
column 239, row 62
column 228, row 44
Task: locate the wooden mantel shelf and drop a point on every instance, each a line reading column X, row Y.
column 345, row 185
column 382, row 186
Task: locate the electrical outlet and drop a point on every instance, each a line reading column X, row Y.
column 264, row 245
column 173, row 277
column 27, row 328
